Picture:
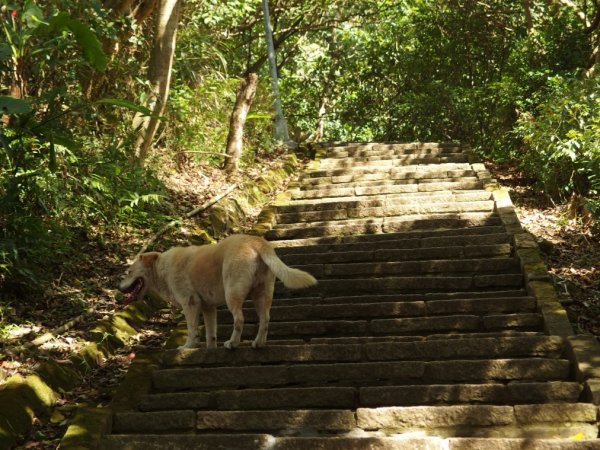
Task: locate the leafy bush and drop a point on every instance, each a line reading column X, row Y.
column 562, row 137
column 62, row 179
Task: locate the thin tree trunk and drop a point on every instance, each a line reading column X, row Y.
column 528, row 18
column 159, row 75
column 243, row 101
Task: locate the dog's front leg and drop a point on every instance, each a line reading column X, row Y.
column 191, row 311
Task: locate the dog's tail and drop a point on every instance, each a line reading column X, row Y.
column 291, row 278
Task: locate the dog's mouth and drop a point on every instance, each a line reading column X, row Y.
column 133, row 291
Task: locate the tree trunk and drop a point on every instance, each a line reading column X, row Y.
column 159, row 75
column 528, row 18
column 243, row 101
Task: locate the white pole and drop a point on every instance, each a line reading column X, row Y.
column 281, row 130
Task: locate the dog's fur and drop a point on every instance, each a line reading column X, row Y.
column 199, row 278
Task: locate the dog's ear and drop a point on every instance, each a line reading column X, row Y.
column 149, row 258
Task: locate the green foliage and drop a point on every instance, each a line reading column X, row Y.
column 61, row 180
column 458, row 70
column 562, row 137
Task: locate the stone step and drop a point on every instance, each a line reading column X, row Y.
column 364, row 178
column 414, row 338
column 371, row 149
column 494, row 300
column 383, row 225
column 405, row 285
column 460, row 323
column 391, row 160
column 268, row 442
column 245, row 417
column 386, row 188
column 433, row 250
column 447, row 267
column 391, row 199
column 442, row 349
column 283, row 312
column 380, row 178
column 348, row 397
column 362, row 374
column 392, row 168
column 425, row 326
column 385, row 211
column 322, row 244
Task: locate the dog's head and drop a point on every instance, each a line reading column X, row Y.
column 136, row 281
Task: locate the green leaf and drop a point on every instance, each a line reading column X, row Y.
column 129, row 105
column 85, row 37
column 32, row 15
column 12, row 105
column 89, row 42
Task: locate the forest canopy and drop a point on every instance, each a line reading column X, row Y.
column 516, row 80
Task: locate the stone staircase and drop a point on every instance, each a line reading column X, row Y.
column 431, row 326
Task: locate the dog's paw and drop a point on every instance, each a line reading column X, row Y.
column 257, row 344
column 187, row 345
column 230, row 345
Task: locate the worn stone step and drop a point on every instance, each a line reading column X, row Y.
column 513, row 393
column 417, row 338
column 405, row 285
column 382, row 153
column 281, row 312
column 387, row 188
column 383, row 225
column 357, row 149
column 464, row 323
column 317, row 244
column 392, row 168
column 535, row 421
column 495, row 347
column 333, row 203
column 253, row 399
column 527, row 443
column 468, row 302
column 186, row 442
column 383, row 178
column 406, row 250
column 362, row 374
column 385, row 211
column 268, row 442
column 447, row 267
column 391, row 160
column 379, row 177
column 407, row 326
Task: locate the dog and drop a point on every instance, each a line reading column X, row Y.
column 199, row 278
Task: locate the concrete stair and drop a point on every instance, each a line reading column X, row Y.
column 423, row 332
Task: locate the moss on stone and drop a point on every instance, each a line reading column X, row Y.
column 90, row 357
column 59, row 376
column 86, row 429
column 136, row 382
column 40, row 396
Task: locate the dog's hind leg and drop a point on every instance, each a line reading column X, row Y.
column 238, row 276
column 262, row 296
column 191, row 311
column 235, row 307
column 209, row 314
